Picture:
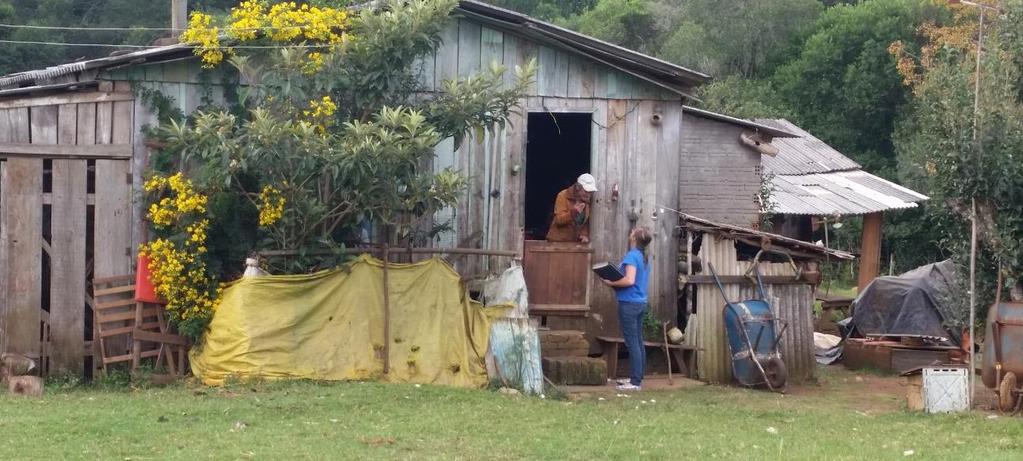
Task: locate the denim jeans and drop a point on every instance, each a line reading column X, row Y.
column 630, row 315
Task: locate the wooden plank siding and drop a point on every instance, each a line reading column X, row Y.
column 67, row 252
column 23, row 191
column 63, row 135
column 628, row 152
column 113, row 250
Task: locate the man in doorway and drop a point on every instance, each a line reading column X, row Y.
column 571, row 221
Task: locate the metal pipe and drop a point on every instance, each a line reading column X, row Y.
column 387, row 313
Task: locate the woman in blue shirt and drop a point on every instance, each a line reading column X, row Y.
column 631, row 292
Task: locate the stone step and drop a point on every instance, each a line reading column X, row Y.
column 572, row 371
column 563, row 343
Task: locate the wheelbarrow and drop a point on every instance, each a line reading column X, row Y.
column 1003, row 361
column 753, row 337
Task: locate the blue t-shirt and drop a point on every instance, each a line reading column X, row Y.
column 637, row 293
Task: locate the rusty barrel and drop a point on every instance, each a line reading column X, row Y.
column 1003, row 342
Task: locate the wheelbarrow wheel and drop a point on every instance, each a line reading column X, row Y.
column 1007, row 392
column 776, row 373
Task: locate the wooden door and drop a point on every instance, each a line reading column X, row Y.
column 557, row 277
column 65, row 217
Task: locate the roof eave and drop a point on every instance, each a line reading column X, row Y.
column 759, row 127
column 733, row 232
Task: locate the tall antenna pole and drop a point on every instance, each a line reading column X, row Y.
column 973, row 215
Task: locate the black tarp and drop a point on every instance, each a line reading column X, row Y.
column 914, row 303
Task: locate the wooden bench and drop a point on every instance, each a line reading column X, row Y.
column 682, row 354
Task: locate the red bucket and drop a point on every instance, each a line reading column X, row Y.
column 144, row 290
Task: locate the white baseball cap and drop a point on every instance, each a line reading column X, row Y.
column 588, row 183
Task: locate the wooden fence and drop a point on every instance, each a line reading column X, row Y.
column 65, row 217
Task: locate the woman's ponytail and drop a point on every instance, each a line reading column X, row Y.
column 643, row 238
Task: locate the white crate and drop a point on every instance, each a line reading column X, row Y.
column 946, row 389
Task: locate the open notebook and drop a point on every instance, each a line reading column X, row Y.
column 607, row 271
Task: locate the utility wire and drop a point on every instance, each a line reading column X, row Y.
column 98, row 29
column 112, row 45
column 133, row 29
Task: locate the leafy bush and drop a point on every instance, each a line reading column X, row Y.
column 332, row 141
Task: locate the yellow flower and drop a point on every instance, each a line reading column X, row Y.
column 247, row 20
column 271, row 206
column 314, row 63
column 320, row 113
column 202, row 33
column 282, row 22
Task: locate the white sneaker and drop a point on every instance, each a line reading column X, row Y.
column 628, row 387
column 622, row 381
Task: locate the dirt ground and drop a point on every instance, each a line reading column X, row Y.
column 835, row 383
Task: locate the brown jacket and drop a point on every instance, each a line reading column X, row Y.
column 566, row 227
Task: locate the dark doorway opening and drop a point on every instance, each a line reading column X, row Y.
column 557, row 152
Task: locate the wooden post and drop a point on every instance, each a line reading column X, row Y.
column 179, row 16
column 870, row 249
column 387, row 313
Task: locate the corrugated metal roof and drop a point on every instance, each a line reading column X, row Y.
column 812, row 178
column 804, row 153
column 772, row 130
column 160, row 53
column 840, row 192
column 662, row 73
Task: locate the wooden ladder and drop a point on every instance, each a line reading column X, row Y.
column 128, row 331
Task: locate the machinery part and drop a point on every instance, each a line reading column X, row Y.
column 776, row 373
column 1007, row 392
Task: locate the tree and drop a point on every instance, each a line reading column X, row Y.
column 546, row 9
column 745, row 98
column 844, row 83
column 629, row 23
column 958, row 162
column 334, row 138
column 83, row 14
column 735, row 37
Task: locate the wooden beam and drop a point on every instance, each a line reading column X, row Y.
column 67, row 255
column 20, row 313
column 739, row 279
column 74, row 98
column 71, row 152
column 155, row 337
column 870, row 249
column 69, row 86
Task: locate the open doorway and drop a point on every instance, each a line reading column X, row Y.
column 557, row 152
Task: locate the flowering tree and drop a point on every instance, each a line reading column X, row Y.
column 334, row 138
column 959, row 155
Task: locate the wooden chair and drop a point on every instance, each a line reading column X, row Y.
column 127, row 330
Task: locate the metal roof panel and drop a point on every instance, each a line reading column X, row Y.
column 840, row 192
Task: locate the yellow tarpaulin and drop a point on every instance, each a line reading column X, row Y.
column 330, row 325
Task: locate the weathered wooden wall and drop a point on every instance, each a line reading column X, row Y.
column 628, row 149
column 64, row 156
column 790, row 302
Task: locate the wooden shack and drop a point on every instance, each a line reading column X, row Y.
column 790, row 274
column 73, row 152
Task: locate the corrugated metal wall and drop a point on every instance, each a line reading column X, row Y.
column 790, row 302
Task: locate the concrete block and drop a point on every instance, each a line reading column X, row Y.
column 575, row 370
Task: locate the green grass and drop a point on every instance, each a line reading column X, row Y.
column 841, row 419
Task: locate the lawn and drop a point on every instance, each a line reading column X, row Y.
column 849, row 416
